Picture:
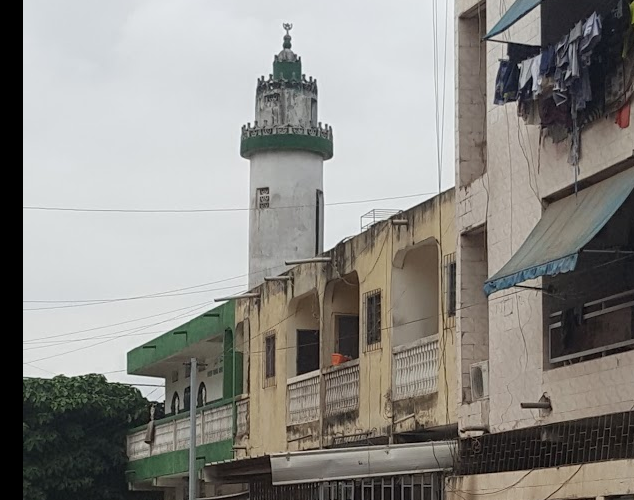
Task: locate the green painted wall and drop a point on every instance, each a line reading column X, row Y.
column 229, row 356
column 200, row 328
column 318, row 145
column 285, row 69
column 177, row 462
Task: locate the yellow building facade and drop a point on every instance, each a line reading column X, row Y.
column 354, row 347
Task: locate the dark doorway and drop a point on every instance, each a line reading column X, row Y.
column 307, row 351
column 348, row 336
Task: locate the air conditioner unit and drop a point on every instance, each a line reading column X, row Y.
column 479, row 380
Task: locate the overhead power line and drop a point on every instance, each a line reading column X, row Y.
column 206, row 210
column 85, row 330
column 85, row 303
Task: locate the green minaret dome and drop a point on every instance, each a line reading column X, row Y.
column 287, row 65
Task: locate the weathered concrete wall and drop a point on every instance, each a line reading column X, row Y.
column 288, row 228
column 595, row 480
column 286, row 106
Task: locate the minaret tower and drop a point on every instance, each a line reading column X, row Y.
column 286, row 147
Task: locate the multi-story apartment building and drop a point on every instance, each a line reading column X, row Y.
column 545, row 223
column 337, row 376
column 349, row 366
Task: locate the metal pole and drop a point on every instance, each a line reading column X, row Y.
column 193, row 480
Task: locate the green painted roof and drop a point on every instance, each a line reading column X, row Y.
column 277, row 142
column 206, row 326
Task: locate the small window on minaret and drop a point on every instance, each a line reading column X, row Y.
column 262, row 197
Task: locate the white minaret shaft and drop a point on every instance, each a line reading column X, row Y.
column 286, row 148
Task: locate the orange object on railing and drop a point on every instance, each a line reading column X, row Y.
column 337, row 359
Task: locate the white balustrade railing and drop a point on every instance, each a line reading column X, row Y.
column 137, row 447
column 303, row 398
column 182, row 433
column 218, row 424
column 415, row 368
column 242, row 417
column 212, row 425
column 342, row 389
column 163, row 439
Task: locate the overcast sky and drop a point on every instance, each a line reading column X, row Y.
column 138, row 105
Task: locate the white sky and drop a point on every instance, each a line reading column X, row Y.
column 139, row 103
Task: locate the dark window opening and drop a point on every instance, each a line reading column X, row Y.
column 373, row 319
column 558, row 18
column 348, row 336
column 201, row 399
column 589, row 312
column 319, row 217
column 188, row 370
column 313, row 112
column 187, row 399
column 307, row 351
column 451, row 288
column 269, row 362
column 175, row 403
column 263, row 198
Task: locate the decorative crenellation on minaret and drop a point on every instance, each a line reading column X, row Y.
column 286, row 146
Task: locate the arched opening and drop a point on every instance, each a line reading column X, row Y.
column 175, row 404
column 201, row 398
column 187, row 399
column 303, row 335
column 341, row 308
column 415, row 293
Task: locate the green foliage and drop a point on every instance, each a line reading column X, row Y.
column 74, row 437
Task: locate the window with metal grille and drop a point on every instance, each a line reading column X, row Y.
column 428, row 486
column 269, row 360
column 372, row 303
column 262, row 197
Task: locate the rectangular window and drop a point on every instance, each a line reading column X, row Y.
column 188, row 370
column 262, row 198
column 372, row 304
column 307, row 351
column 313, row 112
column 269, row 360
column 319, row 221
column 175, row 376
column 449, row 265
column 348, row 336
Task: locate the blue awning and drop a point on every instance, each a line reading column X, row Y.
column 566, row 226
column 514, row 13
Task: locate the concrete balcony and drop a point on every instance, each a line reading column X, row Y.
column 415, row 368
column 302, row 397
column 167, row 452
column 342, row 388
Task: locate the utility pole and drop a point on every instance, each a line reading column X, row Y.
column 193, row 480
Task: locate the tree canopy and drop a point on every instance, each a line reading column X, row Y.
column 74, row 437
